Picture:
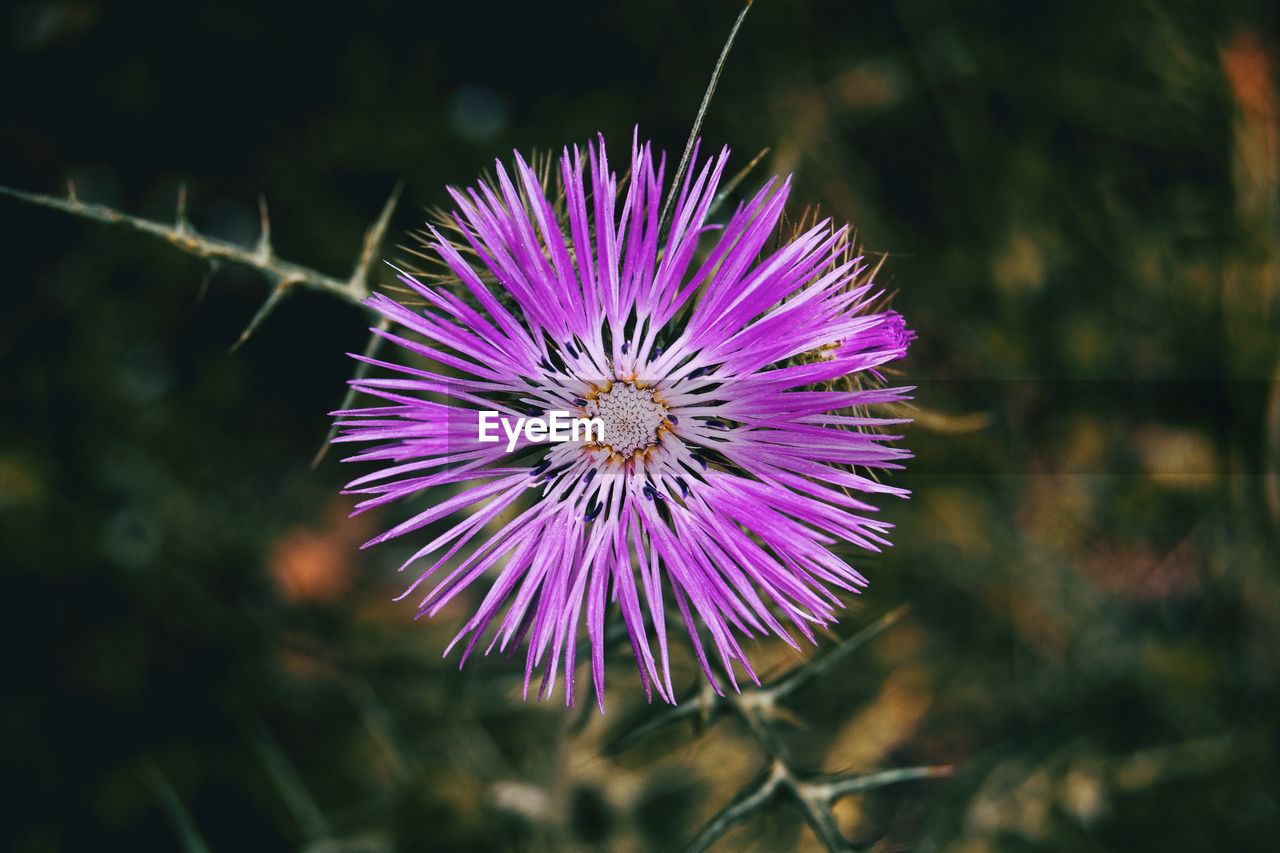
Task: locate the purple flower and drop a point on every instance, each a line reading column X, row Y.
column 728, row 373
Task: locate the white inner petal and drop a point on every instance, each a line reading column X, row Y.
column 631, row 417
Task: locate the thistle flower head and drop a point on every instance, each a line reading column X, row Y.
column 718, row 377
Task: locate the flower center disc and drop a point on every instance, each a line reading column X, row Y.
column 630, row 415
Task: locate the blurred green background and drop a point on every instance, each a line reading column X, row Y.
column 1079, row 206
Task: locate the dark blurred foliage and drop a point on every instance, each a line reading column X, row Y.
column 1079, row 202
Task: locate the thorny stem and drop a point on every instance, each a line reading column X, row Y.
column 759, row 708
column 283, row 275
column 815, row 797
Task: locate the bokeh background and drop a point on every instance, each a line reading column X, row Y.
column 1078, row 202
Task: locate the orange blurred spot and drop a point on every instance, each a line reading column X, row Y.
column 1248, row 68
column 314, row 563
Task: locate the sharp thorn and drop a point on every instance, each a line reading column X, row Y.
column 263, row 250
column 372, row 240
column 180, row 220
column 210, row 271
column 277, row 293
column 362, row 370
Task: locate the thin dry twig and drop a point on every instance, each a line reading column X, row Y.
column 697, row 121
